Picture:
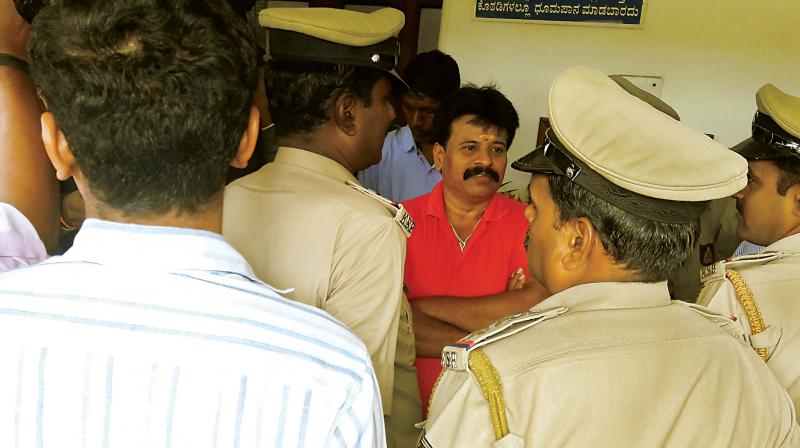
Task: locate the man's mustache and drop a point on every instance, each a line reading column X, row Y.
column 476, row 170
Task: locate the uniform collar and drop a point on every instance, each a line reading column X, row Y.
column 436, row 208
column 156, row 248
column 314, row 162
column 609, row 295
column 790, row 243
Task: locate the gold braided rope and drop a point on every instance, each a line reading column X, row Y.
column 492, row 390
column 745, row 297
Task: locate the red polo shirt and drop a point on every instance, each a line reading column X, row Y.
column 435, row 265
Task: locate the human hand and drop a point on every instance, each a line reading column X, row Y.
column 516, row 281
column 13, row 31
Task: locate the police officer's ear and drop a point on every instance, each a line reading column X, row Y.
column 580, row 244
column 438, row 156
column 344, row 113
column 794, row 193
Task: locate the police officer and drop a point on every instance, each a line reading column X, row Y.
column 761, row 290
column 303, row 222
column 608, row 359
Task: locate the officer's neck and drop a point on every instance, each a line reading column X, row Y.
column 325, row 143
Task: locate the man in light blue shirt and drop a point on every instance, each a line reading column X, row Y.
column 152, row 330
column 406, row 169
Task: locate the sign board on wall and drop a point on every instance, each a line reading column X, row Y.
column 626, row 13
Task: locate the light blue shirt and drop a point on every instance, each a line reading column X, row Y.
column 403, row 172
column 747, row 248
column 163, row 337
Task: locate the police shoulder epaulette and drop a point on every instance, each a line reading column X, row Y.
column 456, row 356
column 401, row 216
column 716, row 271
column 725, row 322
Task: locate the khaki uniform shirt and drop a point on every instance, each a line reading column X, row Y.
column 717, row 241
column 622, row 366
column 300, row 226
column 775, row 285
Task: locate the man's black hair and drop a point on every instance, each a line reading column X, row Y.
column 302, row 94
column 242, row 7
column 789, row 173
column 432, row 73
column 652, row 249
column 152, row 96
column 490, row 108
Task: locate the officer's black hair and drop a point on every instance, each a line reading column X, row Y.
column 652, row 249
column 153, row 96
column 302, row 94
column 433, row 74
column 789, row 168
column 490, row 108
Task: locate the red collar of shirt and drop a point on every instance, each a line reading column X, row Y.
column 435, row 208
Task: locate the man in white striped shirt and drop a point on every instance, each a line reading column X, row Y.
column 152, row 331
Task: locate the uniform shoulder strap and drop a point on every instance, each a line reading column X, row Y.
column 455, row 356
column 464, row 355
column 400, row 214
column 717, row 270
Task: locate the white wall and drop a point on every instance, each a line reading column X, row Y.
column 712, row 54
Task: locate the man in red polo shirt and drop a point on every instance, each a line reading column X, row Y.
column 469, row 241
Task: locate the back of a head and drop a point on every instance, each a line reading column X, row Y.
column 433, row 74
column 153, row 97
column 302, row 94
column 490, row 108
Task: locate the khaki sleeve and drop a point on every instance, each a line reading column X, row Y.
column 366, row 289
column 458, row 414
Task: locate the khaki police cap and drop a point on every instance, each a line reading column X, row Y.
column 645, row 96
column 776, row 126
column 336, row 36
column 629, row 153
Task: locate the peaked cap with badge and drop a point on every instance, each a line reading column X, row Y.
column 336, row 36
column 775, row 128
column 655, row 171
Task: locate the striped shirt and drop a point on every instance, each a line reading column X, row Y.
column 143, row 336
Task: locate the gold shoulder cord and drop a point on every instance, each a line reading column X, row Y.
column 492, row 390
column 745, row 297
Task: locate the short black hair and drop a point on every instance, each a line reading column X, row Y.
column 652, row 249
column 152, row 96
column 487, row 104
column 432, row 73
column 302, row 94
column 242, row 7
column 789, row 173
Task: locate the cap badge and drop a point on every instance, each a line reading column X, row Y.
column 375, row 58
